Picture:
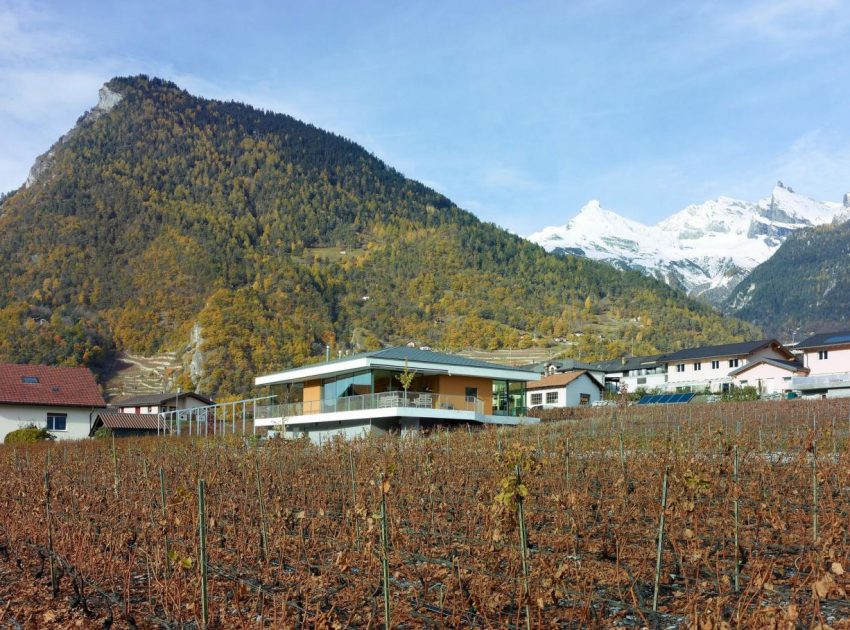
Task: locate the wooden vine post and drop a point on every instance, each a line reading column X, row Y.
column 735, row 507
column 202, row 553
column 54, row 581
column 164, row 516
column 354, row 499
column 264, row 540
column 523, row 547
column 660, row 542
column 385, row 561
column 814, row 492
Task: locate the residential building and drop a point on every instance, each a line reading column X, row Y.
column 648, row 373
column 162, row 403
column 709, row 367
column 768, row 376
column 577, row 388
column 826, row 356
column 365, row 393
column 64, row 400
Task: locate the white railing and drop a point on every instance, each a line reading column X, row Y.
column 365, row 402
column 821, row 381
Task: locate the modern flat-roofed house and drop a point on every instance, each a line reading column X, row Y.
column 162, row 403
column 64, row 400
column 364, row 393
column 709, row 367
column 578, row 388
column 827, row 358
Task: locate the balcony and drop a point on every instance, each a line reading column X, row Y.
column 410, row 402
column 821, row 381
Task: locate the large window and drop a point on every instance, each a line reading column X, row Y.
column 345, row 386
column 57, row 422
column 537, row 399
column 508, row 398
column 551, row 398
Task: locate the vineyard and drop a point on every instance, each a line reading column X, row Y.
column 709, row 516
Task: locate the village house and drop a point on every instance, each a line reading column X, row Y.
column 64, row 400
column 648, row 373
column 709, row 368
column 367, row 393
column 162, row 403
column 826, row 357
column 768, row 376
column 577, row 388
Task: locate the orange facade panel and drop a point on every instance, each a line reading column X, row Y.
column 458, row 385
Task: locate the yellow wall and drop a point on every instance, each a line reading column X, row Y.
column 456, row 386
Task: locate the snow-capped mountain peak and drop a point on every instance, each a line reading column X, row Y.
column 704, row 248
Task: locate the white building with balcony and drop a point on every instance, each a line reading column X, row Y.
column 366, row 393
column 826, row 356
column 710, row 368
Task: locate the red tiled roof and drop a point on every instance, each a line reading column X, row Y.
column 132, row 420
column 49, row 385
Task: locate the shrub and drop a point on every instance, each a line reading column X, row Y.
column 102, row 432
column 28, row 434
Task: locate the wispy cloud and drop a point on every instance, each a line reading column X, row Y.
column 787, row 20
column 509, row 177
column 817, row 162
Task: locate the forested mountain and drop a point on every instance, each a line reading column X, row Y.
column 162, row 214
column 803, row 287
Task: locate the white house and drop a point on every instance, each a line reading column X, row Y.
column 768, row 376
column 578, row 388
column 64, row 400
column 826, row 356
column 366, row 393
column 710, row 367
column 162, row 403
column 648, row 373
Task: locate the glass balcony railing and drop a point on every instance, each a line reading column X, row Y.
column 366, row 402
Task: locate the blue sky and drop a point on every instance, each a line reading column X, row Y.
column 518, row 111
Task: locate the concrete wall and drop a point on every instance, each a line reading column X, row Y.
column 16, row 416
column 323, row 432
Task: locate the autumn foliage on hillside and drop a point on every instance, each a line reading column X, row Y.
column 277, row 238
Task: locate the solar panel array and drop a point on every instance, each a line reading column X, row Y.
column 666, row 399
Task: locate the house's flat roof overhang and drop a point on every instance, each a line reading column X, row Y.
column 358, row 364
column 454, row 415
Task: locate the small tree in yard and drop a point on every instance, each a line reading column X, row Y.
column 406, row 378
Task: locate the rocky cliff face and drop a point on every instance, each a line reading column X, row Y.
column 107, row 101
column 705, row 249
